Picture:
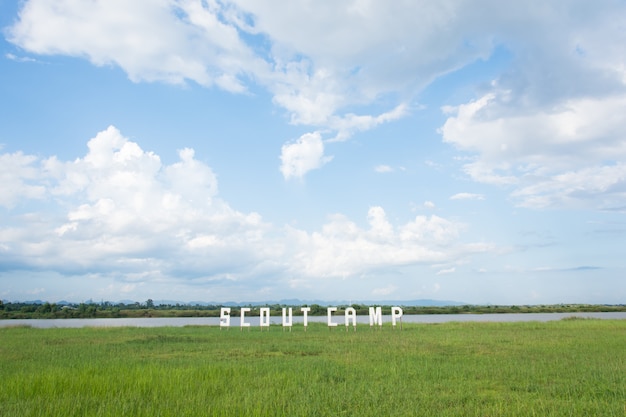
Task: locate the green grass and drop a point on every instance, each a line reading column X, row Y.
column 565, row 368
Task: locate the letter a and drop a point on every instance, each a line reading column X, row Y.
column 350, row 314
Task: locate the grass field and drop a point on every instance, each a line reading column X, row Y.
column 564, row 368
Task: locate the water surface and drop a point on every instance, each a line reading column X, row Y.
column 297, row 320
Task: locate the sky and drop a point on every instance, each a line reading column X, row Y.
column 233, row 150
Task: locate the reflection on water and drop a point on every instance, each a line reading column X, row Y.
column 297, row 320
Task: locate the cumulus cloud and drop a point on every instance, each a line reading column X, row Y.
column 16, row 58
column 178, row 40
column 169, row 41
column 347, row 124
column 350, row 46
column 601, row 186
column 339, row 68
column 385, row 169
column 343, row 249
column 231, row 44
column 19, row 178
column 565, row 156
column 552, row 117
column 305, row 154
column 382, row 169
column 120, row 213
column 446, row 271
column 125, row 209
column 385, row 291
column 467, row 196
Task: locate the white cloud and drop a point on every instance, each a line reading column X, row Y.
column 433, row 165
column 602, row 186
column 303, row 155
column 178, row 40
column 347, row 124
column 556, row 135
column 467, row 196
column 16, row 58
column 566, row 156
column 383, row 169
column 125, row 209
column 353, row 43
column 384, row 291
column 446, row 271
column 19, row 178
column 342, row 249
column 554, row 115
column 429, row 205
column 335, row 65
column 170, row 41
column 118, row 219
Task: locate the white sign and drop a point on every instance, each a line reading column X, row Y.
column 375, row 316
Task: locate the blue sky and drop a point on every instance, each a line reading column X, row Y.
column 236, row 151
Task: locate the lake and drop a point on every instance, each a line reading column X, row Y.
column 297, row 320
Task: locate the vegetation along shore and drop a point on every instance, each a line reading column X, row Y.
column 105, row 309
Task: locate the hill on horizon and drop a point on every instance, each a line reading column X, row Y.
column 287, row 302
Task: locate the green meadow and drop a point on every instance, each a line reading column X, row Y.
column 562, row 368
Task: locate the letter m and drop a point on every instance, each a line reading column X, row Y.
column 376, row 316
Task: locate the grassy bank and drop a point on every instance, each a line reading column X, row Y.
column 565, row 368
column 33, row 310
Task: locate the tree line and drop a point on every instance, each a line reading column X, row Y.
column 106, row 309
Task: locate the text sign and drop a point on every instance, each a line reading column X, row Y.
column 375, row 316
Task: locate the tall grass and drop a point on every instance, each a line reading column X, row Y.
column 566, row 368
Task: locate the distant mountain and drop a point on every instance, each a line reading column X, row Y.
column 419, row 303
column 34, row 302
column 298, row 302
column 288, row 302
